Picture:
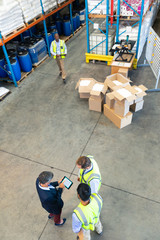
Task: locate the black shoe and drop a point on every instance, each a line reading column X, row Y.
column 61, row 224
column 77, row 238
column 50, row 216
column 60, row 74
column 64, row 81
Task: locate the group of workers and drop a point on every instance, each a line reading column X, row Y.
column 86, row 216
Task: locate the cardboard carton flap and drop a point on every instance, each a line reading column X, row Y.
column 117, row 83
column 84, row 83
column 140, row 92
column 143, row 87
column 123, row 93
column 98, row 88
column 83, row 80
column 131, row 89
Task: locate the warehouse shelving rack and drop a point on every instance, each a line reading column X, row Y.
column 43, row 18
column 89, row 16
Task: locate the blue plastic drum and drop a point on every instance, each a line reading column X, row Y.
column 82, row 16
column 67, row 28
column 54, row 31
column 3, row 74
column 59, row 26
column 16, row 69
column 78, row 20
column 74, row 23
column 25, row 61
column 53, row 26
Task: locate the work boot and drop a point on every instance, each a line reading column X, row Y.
column 64, row 80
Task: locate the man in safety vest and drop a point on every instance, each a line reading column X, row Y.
column 86, row 216
column 89, row 172
column 59, row 50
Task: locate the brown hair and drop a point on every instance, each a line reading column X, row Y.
column 84, row 162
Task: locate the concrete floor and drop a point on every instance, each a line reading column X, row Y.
column 45, row 126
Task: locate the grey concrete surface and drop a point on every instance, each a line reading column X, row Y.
column 45, row 126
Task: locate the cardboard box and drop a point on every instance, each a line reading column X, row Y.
column 120, row 122
column 137, row 106
column 116, row 81
column 121, row 108
column 123, row 71
column 110, row 100
column 95, row 104
column 84, row 95
column 98, row 89
column 85, row 85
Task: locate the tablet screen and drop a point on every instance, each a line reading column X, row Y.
column 67, row 182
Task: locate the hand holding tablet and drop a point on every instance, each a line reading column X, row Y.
column 67, row 182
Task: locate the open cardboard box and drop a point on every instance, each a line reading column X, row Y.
column 116, row 81
column 84, row 86
column 123, row 99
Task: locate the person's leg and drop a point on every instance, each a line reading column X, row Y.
column 84, row 235
column 57, row 218
column 62, row 68
column 99, row 227
column 59, row 65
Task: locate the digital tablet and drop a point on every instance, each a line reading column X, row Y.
column 67, row 182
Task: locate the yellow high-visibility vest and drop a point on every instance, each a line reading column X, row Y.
column 89, row 214
column 62, row 48
column 94, row 173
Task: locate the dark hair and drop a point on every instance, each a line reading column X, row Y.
column 45, row 177
column 84, row 162
column 84, row 191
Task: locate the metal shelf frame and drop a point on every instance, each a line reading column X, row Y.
column 89, row 15
column 28, row 27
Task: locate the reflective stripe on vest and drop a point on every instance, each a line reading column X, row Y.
column 92, row 174
column 86, row 215
column 62, row 48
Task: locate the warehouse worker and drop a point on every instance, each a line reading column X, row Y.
column 86, row 216
column 89, row 172
column 59, row 51
column 50, row 196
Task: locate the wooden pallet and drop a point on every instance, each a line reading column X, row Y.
column 24, row 75
column 40, row 62
column 33, row 20
column 78, row 29
column 50, row 10
column 13, row 32
column 66, row 38
column 4, row 96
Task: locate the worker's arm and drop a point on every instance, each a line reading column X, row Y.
column 65, row 49
column 94, row 184
column 76, row 224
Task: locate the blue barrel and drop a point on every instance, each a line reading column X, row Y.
column 59, row 26
column 74, row 23
column 78, row 20
column 67, row 28
column 3, row 74
column 66, row 17
column 26, row 33
column 53, row 26
column 25, row 61
column 16, row 69
column 50, row 38
column 54, row 31
column 82, row 16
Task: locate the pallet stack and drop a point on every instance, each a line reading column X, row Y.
column 116, row 96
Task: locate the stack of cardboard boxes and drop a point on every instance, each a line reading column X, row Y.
column 116, row 95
